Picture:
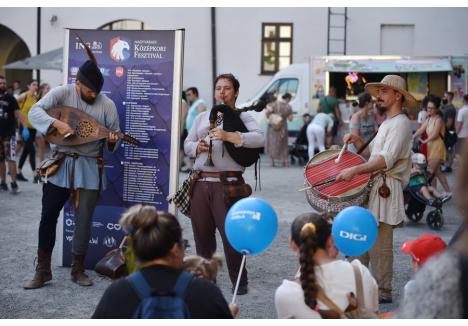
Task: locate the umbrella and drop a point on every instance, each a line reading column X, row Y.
column 51, row 60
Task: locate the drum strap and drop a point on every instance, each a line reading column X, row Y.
column 367, row 143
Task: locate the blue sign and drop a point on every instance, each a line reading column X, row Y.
column 138, row 70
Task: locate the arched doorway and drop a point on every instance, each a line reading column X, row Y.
column 13, row 49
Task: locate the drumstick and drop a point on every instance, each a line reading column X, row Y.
column 321, row 183
column 341, row 153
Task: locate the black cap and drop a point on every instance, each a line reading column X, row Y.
column 90, row 75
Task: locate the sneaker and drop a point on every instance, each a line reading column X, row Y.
column 37, row 179
column 20, row 177
column 447, row 169
column 14, row 188
column 3, row 186
column 445, row 196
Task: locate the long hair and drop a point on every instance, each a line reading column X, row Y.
column 310, row 232
column 153, row 233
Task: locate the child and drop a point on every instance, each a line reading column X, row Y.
column 419, row 182
column 202, row 267
column 421, row 249
column 206, row 268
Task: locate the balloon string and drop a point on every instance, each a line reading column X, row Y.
column 238, row 280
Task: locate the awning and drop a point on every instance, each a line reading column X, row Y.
column 51, row 60
column 386, row 64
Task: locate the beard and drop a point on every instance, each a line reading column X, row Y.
column 89, row 100
column 382, row 109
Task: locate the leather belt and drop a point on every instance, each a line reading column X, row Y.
column 204, row 174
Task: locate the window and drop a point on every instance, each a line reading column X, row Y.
column 279, row 88
column 276, row 47
column 124, row 24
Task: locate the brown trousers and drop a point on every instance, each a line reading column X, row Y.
column 381, row 260
column 208, row 213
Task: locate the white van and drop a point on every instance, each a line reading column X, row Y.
column 307, row 82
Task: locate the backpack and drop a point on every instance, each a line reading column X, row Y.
column 169, row 305
column 356, row 308
column 450, row 138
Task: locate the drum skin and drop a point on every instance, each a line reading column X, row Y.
column 324, row 193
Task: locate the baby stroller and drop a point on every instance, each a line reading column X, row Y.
column 415, row 202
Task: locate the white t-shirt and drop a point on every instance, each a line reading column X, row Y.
column 462, row 116
column 337, row 280
column 422, row 115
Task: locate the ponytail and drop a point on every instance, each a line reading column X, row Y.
column 309, row 232
column 307, row 250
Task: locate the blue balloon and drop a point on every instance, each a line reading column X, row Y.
column 251, row 225
column 354, row 230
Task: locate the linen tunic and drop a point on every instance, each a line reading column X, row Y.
column 86, row 169
column 393, row 142
column 221, row 159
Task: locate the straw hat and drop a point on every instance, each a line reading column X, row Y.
column 398, row 84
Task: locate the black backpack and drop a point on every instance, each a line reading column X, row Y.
column 153, row 305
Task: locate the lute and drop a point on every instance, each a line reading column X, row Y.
column 86, row 129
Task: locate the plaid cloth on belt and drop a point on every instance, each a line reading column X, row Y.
column 181, row 198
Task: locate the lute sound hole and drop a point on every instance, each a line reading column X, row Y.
column 84, row 129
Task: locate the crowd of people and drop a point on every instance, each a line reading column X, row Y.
column 17, row 135
column 324, row 286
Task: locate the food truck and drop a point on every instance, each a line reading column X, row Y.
column 307, row 82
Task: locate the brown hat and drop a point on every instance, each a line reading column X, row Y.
column 398, row 84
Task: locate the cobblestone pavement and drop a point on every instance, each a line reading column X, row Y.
column 20, row 214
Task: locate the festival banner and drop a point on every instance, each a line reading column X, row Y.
column 142, row 75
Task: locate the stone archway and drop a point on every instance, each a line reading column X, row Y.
column 13, row 49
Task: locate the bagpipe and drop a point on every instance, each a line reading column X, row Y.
column 232, row 123
column 86, row 129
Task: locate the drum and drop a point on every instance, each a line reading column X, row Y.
column 325, row 194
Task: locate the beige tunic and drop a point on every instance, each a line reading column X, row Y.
column 393, row 142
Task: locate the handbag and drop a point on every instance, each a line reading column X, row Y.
column 234, row 190
column 181, row 198
column 275, row 121
column 113, row 263
column 356, row 308
column 50, row 165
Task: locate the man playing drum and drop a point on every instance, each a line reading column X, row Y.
column 390, row 161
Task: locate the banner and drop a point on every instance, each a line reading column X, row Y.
column 418, row 84
column 458, row 80
column 142, row 75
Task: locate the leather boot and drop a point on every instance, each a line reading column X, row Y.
column 77, row 271
column 43, row 273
